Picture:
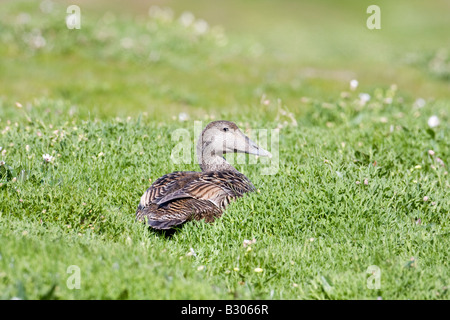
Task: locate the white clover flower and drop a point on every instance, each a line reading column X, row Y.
column 183, row 116
column 186, row 18
column 364, row 97
column 48, row 158
column 201, row 26
column 258, row 270
column 433, row 121
column 388, row 100
column 420, row 103
column 248, row 242
column 35, row 39
column 353, row 84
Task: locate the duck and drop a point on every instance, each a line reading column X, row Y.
column 183, row 196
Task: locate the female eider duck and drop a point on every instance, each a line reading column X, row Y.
column 186, row 195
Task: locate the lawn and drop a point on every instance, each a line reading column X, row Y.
column 356, row 208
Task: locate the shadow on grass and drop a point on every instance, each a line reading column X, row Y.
column 166, row 233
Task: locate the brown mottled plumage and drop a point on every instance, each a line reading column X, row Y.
column 186, row 195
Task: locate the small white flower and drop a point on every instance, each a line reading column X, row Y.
column 186, row 18
column 433, row 121
column 425, row 198
column 353, row 84
column 431, row 152
column 201, row 26
column 47, row 158
column 249, row 242
column 364, row 97
column 183, row 116
column 388, row 100
column 37, row 41
column 258, row 270
column 420, row 103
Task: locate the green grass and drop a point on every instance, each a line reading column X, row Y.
column 106, row 114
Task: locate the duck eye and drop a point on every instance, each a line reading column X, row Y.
column 225, row 129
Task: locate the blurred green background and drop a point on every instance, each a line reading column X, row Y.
column 361, row 181
column 135, row 56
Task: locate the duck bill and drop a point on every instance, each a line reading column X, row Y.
column 243, row 144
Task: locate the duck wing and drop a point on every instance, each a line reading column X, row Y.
column 182, row 196
column 217, row 187
column 166, row 185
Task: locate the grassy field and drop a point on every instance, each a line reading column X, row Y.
column 362, row 177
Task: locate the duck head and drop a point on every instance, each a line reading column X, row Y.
column 221, row 137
